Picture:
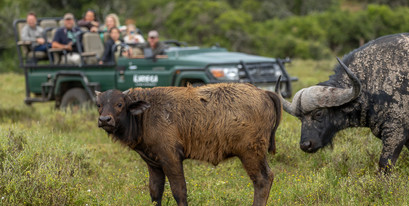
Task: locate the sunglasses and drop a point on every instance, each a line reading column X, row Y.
column 152, row 37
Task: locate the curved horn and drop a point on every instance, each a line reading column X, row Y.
column 313, row 97
column 325, row 96
column 126, row 92
column 291, row 108
column 355, row 81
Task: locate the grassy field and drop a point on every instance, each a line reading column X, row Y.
column 51, row 157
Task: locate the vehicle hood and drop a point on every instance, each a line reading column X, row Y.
column 221, row 57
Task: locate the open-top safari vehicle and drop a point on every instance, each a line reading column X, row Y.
column 49, row 78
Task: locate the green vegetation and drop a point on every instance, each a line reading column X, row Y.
column 51, row 157
column 310, row 29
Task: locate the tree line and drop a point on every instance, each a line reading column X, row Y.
column 309, row 29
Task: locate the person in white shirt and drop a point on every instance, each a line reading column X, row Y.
column 132, row 36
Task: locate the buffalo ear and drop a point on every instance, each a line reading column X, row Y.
column 138, row 107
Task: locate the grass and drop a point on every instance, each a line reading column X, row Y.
column 51, row 157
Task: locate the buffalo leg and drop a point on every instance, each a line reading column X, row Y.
column 156, row 184
column 259, row 172
column 174, row 171
column 393, row 142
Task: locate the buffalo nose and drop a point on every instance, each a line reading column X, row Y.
column 105, row 119
column 306, row 145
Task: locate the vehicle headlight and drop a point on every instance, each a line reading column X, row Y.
column 277, row 71
column 225, row 72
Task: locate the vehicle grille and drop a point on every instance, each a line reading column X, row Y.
column 259, row 72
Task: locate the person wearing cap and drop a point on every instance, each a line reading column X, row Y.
column 65, row 38
column 157, row 47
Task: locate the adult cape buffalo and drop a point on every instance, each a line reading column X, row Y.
column 166, row 125
column 370, row 90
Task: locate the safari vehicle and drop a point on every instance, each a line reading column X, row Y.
column 48, row 78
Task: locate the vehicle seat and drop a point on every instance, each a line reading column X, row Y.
column 93, row 48
column 46, row 23
column 27, row 47
column 137, row 50
column 106, row 37
column 54, row 54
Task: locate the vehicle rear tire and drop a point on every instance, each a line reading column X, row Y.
column 75, row 98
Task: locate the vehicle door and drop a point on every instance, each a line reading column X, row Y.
column 141, row 72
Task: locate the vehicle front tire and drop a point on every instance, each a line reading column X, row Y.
column 197, row 84
column 75, row 98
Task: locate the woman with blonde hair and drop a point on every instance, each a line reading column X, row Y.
column 111, row 21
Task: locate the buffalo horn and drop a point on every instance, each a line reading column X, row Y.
column 313, row 97
column 126, row 92
column 287, row 106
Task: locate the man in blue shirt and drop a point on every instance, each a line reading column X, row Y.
column 65, row 38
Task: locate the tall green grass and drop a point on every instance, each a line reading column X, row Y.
column 51, row 157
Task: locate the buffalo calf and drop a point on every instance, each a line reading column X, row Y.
column 166, row 125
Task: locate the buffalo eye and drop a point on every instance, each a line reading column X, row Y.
column 318, row 115
column 99, row 105
column 119, row 105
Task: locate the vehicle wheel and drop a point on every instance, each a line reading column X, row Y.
column 75, row 98
column 197, row 84
column 194, row 83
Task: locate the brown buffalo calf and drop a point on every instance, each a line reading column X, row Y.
column 166, row 125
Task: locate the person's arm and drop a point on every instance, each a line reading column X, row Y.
column 56, row 42
column 25, row 35
column 39, row 35
column 160, row 50
column 140, row 38
column 83, row 23
column 58, row 45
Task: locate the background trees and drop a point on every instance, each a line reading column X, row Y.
column 307, row 29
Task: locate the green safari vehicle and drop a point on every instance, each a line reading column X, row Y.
column 46, row 80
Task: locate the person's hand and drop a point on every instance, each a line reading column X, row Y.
column 68, row 47
column 95, row 23
column 94, row 29
column 40, row 40
column 127, row 52
column 100, row 62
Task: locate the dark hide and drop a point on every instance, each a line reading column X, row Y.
column 210, row 123
column 382, row 67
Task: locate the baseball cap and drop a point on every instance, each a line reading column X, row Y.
column 68, row 16
column 153, row 33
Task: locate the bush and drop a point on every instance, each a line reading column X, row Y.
column 309, row 30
